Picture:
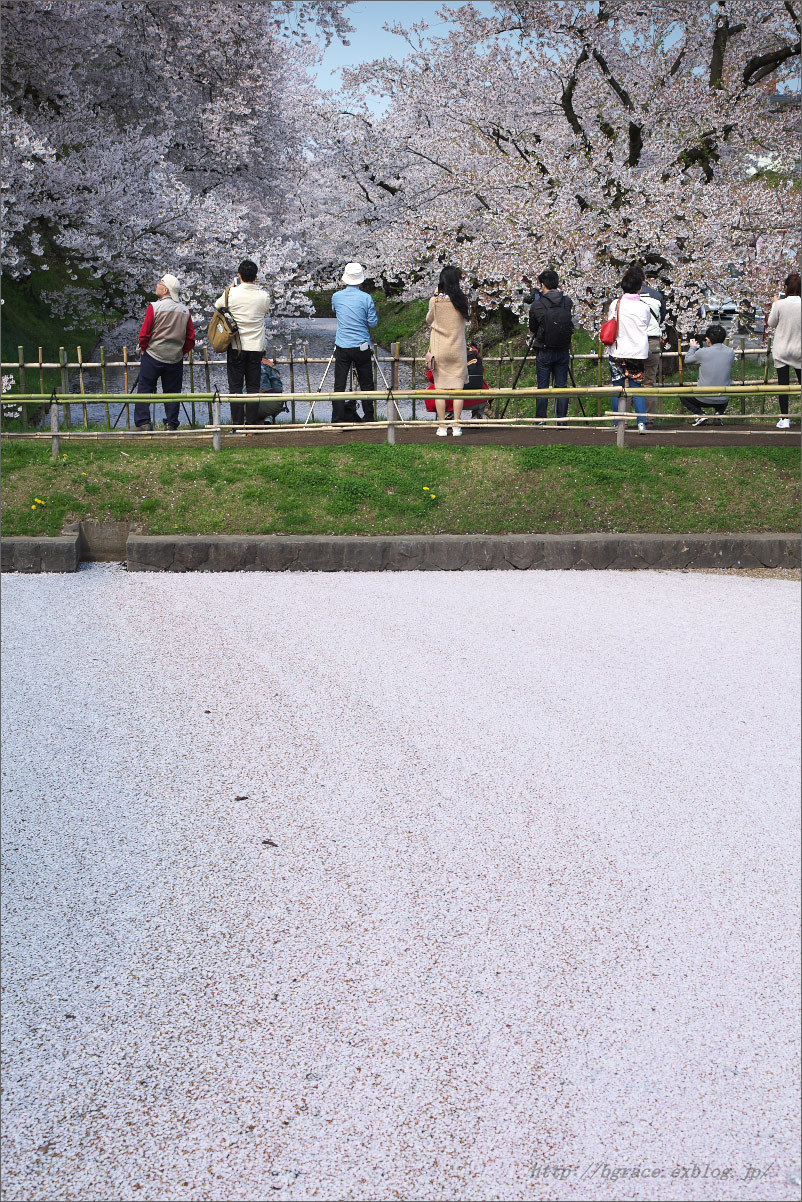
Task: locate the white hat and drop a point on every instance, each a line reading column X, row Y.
column 171, row 284
column 354, row 273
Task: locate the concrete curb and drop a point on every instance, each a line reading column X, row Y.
column 22, row 554
column 455, row 553
column 412, row 553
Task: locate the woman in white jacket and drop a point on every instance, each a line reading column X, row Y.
column 785, row 319
column 629, row 352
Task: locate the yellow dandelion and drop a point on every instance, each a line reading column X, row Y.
column 83, row 473
column 433, row 495
column 38, row 501
column 33, row 506
column 426, row 488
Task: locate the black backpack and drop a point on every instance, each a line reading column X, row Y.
column 555, row 327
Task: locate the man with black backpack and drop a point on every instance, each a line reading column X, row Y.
column 552, row 330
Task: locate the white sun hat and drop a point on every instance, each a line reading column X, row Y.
column 172, row 286
column 354, row 273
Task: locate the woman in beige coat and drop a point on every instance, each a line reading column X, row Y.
column 448, row 352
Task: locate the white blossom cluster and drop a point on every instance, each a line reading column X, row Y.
column 579, row 135
column 144, row 138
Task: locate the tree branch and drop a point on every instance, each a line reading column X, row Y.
column 566, row 100
column 620, row 92
column 724, row 31
column 763, row 64
column 635, row 143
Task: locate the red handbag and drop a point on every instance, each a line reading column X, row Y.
column 609, row 331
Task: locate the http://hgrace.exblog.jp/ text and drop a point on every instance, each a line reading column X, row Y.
column 604, row 1171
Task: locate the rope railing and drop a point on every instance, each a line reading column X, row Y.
column 390, row 397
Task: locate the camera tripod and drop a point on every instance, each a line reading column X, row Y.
column 530, row 348
column 351, row 374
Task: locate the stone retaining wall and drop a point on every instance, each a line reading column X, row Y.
column 446, row 552
column 61, row 554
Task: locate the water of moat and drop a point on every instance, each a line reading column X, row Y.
column 315, row 335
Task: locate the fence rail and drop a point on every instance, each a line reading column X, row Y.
column 393, row 418
column 202, row 361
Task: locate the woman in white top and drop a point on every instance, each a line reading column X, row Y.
column 629, row 352
column 785, row 318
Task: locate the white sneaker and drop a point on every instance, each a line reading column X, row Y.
column 784, row 423
column 457, row 431
column 700, row 421
column 442, row 431
column 641, row 427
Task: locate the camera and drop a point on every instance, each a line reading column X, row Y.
column 530, row 297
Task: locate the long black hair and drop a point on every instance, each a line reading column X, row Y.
column 448, row 285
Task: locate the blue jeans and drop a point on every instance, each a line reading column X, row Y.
column 172, row 377
column 620, row 375
column 552, row 361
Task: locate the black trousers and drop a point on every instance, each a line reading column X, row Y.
column 172, row 377
column 244, row 370
column 697, row 405
column 784, row 377
column 344, row 356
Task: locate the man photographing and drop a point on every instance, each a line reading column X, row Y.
column 248, row 304
column 356, row 317
column 552, row 329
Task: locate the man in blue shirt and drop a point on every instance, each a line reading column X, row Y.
column 356, row 316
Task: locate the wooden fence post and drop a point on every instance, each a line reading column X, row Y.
column 392, row 411
column 65, row 385
column 599, row 346
column 192, row 386
column 56, row 443
column 22, row 384
column 217, row 437
column 414, row 399
column 80, row 357
column 622, row 425
column 207, row 369
column 41, row 372
column 125, row 389
column 105, row 385
column 292, row 381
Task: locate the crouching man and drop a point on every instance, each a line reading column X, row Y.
column 715, row 367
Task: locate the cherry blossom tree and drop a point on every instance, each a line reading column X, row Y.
column 156, row 137
column 579, row 135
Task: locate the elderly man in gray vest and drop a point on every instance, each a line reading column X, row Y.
column 167, row 335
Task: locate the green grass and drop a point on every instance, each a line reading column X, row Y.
column 368, row 489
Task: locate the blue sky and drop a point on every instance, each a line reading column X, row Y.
column 370, row 41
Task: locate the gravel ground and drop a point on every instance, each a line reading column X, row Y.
column 309, row 895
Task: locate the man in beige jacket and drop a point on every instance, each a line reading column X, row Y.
column 248, row 305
